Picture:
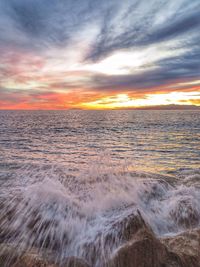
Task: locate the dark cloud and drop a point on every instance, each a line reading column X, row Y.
column 132, row 30
column 40, row 24
column 37, row 25
column 122, row 24
column 168, row 72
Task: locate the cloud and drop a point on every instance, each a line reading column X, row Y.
column 35, row 24
column 141, row 27
column 96, row 47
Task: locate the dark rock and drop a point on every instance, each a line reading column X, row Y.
column 144, row 250
column 31, row 260
column 186, row 214
column 187, row 246
column 11, row 257
column 8, row 256
column 130, row 225
column 117, row 233
column 74, row 262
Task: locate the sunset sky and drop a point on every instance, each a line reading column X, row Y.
column 99, row 54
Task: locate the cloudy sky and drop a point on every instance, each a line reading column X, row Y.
column 97, row 54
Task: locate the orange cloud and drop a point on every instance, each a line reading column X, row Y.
column 30, row 83
column 92, row 100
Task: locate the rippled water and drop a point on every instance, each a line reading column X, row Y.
column 68, row 179
column 160, row 141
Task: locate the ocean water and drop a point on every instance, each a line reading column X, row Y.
column 66, row 177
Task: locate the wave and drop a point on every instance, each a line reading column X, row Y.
column 45, row 207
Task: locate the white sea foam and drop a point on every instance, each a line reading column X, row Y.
column 75, row 215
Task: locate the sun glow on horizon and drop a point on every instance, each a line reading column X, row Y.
column 125, row 101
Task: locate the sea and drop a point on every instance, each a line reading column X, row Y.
column 67, row 176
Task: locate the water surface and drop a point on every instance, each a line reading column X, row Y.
column 68, row 177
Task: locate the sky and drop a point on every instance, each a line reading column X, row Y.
column 99, row 54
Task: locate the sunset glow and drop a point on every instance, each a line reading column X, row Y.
column 123, row 100
column 99, row 61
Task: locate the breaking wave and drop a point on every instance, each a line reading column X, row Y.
column 47, row 208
